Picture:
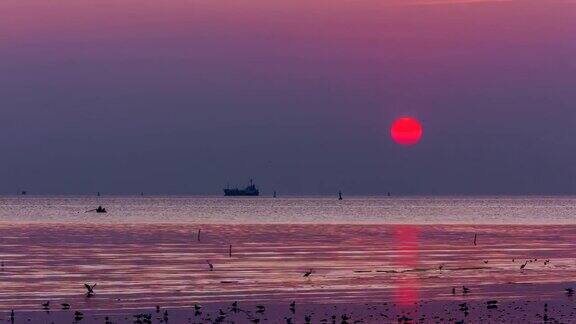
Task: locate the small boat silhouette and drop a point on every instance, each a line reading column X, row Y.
column 99, row 210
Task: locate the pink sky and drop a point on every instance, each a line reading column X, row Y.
column 304, row 79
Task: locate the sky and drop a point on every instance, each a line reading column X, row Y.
column 187, row 96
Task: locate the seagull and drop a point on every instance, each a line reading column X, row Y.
column 465, row 289
column 235, row 307
column 261, row 309
column 307, row 273
column 210, row 265
column 65, row 306
column 293, row 307
column 78, row 315
column 569, row 291
column 90, row 290
column 46, row 305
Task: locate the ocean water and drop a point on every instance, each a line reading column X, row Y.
column 291, row 210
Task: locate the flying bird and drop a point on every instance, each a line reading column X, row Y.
column 90, row 290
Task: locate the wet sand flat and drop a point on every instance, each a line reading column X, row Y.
column 137, row 267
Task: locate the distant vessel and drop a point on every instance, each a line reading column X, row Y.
column 99, row 210
column 250, row 190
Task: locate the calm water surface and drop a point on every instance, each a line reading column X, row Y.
column 303, row 210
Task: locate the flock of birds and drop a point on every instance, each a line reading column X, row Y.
column 492, row 311
column 256, row 316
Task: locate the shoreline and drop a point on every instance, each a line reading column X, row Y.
column 138, row 266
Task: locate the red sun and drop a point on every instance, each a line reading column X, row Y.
column 406, row 131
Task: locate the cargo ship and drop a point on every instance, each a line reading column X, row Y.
column 250, row 190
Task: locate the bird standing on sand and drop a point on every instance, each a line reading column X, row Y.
column 308, row 273
column 90, row 290
column 78, row 316
column 339, row 195
column 293, row 307
column 210, row 265
column 465, row 289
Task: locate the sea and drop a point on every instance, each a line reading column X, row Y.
column 531, row 210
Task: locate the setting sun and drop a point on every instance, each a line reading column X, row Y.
column 406, row 131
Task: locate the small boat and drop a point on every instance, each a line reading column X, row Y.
column 99, row 210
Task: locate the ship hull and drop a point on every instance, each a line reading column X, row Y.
column 237, row 192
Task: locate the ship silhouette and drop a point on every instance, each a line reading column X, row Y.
column 250, row 190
